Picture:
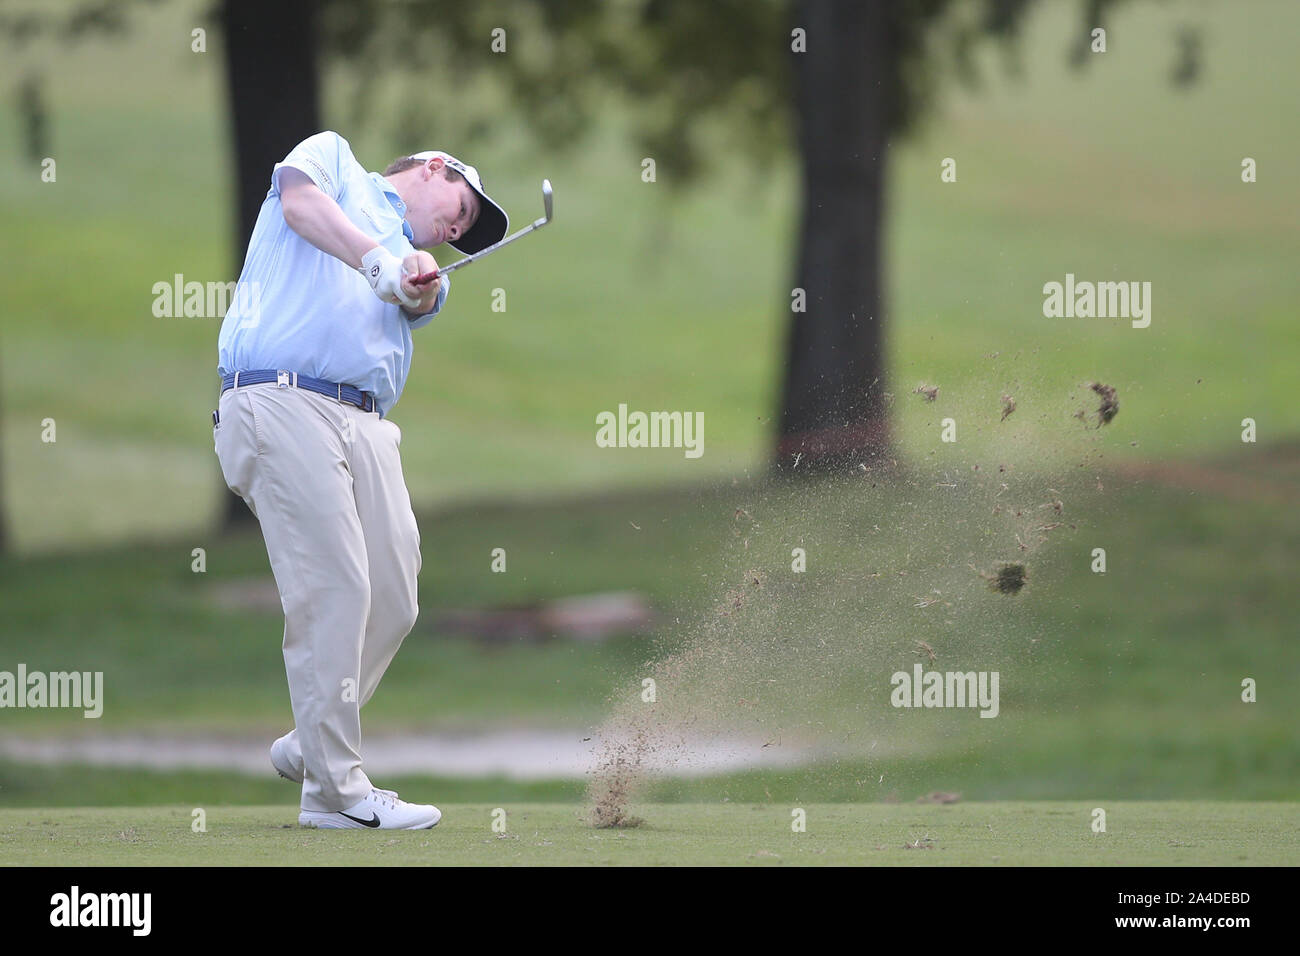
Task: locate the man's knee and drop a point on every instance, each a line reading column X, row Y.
column 342, row 597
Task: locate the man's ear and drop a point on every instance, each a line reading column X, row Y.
column 433, row 166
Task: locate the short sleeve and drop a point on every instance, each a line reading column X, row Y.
column 321, row 157
column 422, row 320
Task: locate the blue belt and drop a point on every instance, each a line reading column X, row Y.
column 285, row 379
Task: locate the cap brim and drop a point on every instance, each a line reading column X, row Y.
column 488, row 229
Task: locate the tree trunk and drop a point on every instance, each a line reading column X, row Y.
column 832, row 410
column 271, row 81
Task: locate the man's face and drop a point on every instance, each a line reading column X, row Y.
column 439, row 211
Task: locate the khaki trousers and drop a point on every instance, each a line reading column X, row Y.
column 325, row 481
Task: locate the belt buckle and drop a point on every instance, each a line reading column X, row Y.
column 282, row 379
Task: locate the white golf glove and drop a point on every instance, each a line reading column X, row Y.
column 383, row 271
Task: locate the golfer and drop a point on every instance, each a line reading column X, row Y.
column 313, row 355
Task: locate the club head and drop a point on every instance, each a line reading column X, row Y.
column 546, row 198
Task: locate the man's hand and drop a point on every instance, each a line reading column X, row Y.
column 426, row 293
column 385, row 273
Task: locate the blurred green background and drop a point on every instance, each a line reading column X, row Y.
column 636, row 295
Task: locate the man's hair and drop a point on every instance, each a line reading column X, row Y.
column 409, row 162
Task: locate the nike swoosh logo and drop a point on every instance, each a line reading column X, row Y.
column 372, row 822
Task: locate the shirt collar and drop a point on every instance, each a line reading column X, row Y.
column 396, row 202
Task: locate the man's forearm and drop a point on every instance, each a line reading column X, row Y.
column 318, row 219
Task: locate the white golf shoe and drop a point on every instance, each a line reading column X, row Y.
column 380, row 810
column 281, row 762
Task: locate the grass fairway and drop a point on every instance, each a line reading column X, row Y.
column 1126, row 684
column 1000, row 834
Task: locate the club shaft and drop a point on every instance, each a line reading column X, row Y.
column 443, row 270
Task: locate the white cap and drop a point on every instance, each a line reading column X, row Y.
column 492, row 222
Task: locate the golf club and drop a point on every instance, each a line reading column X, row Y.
column 443, row 270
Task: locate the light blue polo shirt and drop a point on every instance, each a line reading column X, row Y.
column 298, row 308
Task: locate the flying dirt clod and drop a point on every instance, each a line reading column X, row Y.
column 1009, row 578
column 1109, row 407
